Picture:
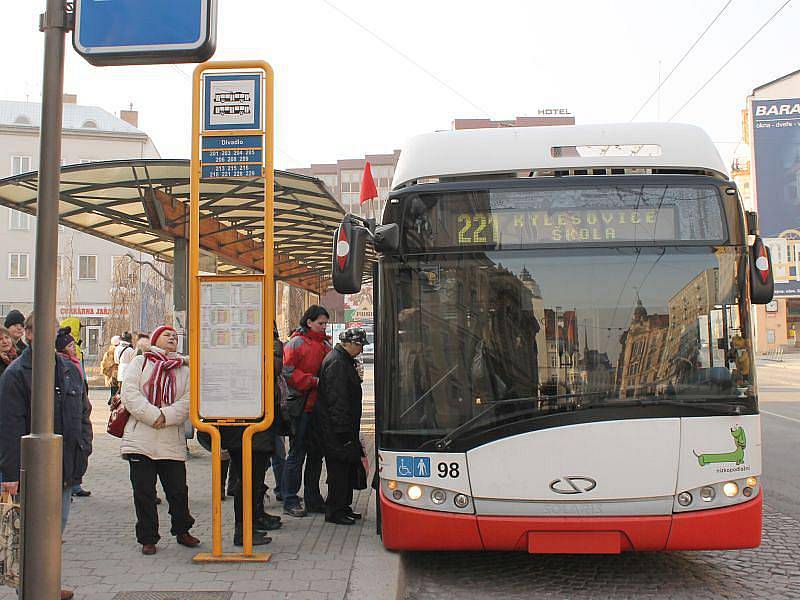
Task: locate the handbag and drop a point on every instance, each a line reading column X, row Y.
column 360, row 482
column 118, row 418
column 10, row 525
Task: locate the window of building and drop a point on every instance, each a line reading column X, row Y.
column 770, row 336
column 20, row 164
column 18, row 221
column 90, row 124
column 18, row 266
column 351, row 182
column 87, row 266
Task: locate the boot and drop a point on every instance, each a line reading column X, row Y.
column 259, row 539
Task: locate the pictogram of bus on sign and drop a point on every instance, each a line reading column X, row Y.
column 232, row 109
column 223, row 97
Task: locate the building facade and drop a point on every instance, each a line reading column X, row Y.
column 777, row 176
column 95, row 276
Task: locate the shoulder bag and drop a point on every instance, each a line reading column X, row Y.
column 118, row 418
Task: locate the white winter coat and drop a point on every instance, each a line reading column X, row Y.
column 169, row 442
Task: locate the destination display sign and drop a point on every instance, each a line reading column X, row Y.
column 226, row 142
column 232, row 156
column 528, row 227
column 226, row 170
column 244, row 155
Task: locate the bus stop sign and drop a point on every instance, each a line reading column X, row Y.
column 140, row 32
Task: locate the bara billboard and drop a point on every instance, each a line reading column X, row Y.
column 776, row 160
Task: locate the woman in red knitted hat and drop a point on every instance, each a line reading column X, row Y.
column 156, row 394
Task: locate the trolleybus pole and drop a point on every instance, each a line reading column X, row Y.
column 41, row 470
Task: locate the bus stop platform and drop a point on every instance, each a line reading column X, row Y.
column 311, row 559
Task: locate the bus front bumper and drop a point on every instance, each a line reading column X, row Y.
column 737, row 526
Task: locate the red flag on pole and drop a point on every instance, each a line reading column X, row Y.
column 368, row 189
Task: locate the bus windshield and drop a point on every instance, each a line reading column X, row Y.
column 482, row 344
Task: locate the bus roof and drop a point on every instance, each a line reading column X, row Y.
column 558, row 150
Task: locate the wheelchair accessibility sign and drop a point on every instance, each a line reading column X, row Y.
column 413, row 466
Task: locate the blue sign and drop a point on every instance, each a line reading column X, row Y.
column 224, row 142
column 405, row 466
column 230, row 170
column 251, row 155
column 125, row 32
column 422, row 466
column 776, row 153
column 232, row 101
column 413, row 466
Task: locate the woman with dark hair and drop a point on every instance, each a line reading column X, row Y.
column 67, row 348
column 302, row 357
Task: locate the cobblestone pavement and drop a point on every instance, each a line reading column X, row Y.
column 311, row 559
column 771, row 571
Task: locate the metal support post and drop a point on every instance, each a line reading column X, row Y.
column 41, row 475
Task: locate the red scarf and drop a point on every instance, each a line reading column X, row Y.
column 160, row 389
column 74, row 360
column 8, row 357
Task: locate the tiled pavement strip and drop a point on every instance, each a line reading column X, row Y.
column 311, row 559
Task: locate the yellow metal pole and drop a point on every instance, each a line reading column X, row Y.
column 267, row 315
column 194, row 319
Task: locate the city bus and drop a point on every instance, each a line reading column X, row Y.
column 564, row 350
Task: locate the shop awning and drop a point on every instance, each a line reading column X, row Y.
column 144, row 204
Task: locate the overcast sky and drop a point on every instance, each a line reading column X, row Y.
column 341, row 93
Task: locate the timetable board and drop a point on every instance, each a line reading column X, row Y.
column 231, row 350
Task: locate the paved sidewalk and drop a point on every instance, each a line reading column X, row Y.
column 311, row 559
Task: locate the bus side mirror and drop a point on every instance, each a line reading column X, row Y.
column 752, row 222
column 349, row 255
column 762, row 283
column 387, row 238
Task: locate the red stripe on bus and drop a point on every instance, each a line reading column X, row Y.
column 737, row 526
column 406, row 528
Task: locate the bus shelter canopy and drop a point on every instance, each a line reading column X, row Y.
column 144, row 204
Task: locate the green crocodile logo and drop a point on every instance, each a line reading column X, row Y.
column 735, row 456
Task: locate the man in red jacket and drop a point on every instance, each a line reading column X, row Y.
column 302, row 357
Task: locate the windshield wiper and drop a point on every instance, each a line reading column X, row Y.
column 444, row 442
column 732, row 408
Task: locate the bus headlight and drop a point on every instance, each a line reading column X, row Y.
column 397, row 494
column 684, row 498
column 707, row 493
column 461, row 500
column 751, row 482
column 730, row 489
column 414, row 492
column 392, row 485
column 438, row 496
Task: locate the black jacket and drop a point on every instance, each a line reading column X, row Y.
column 72, row 410
column 337, row 413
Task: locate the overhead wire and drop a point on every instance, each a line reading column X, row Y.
column 405, row 56
column 683, row 58
column 727, row 62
